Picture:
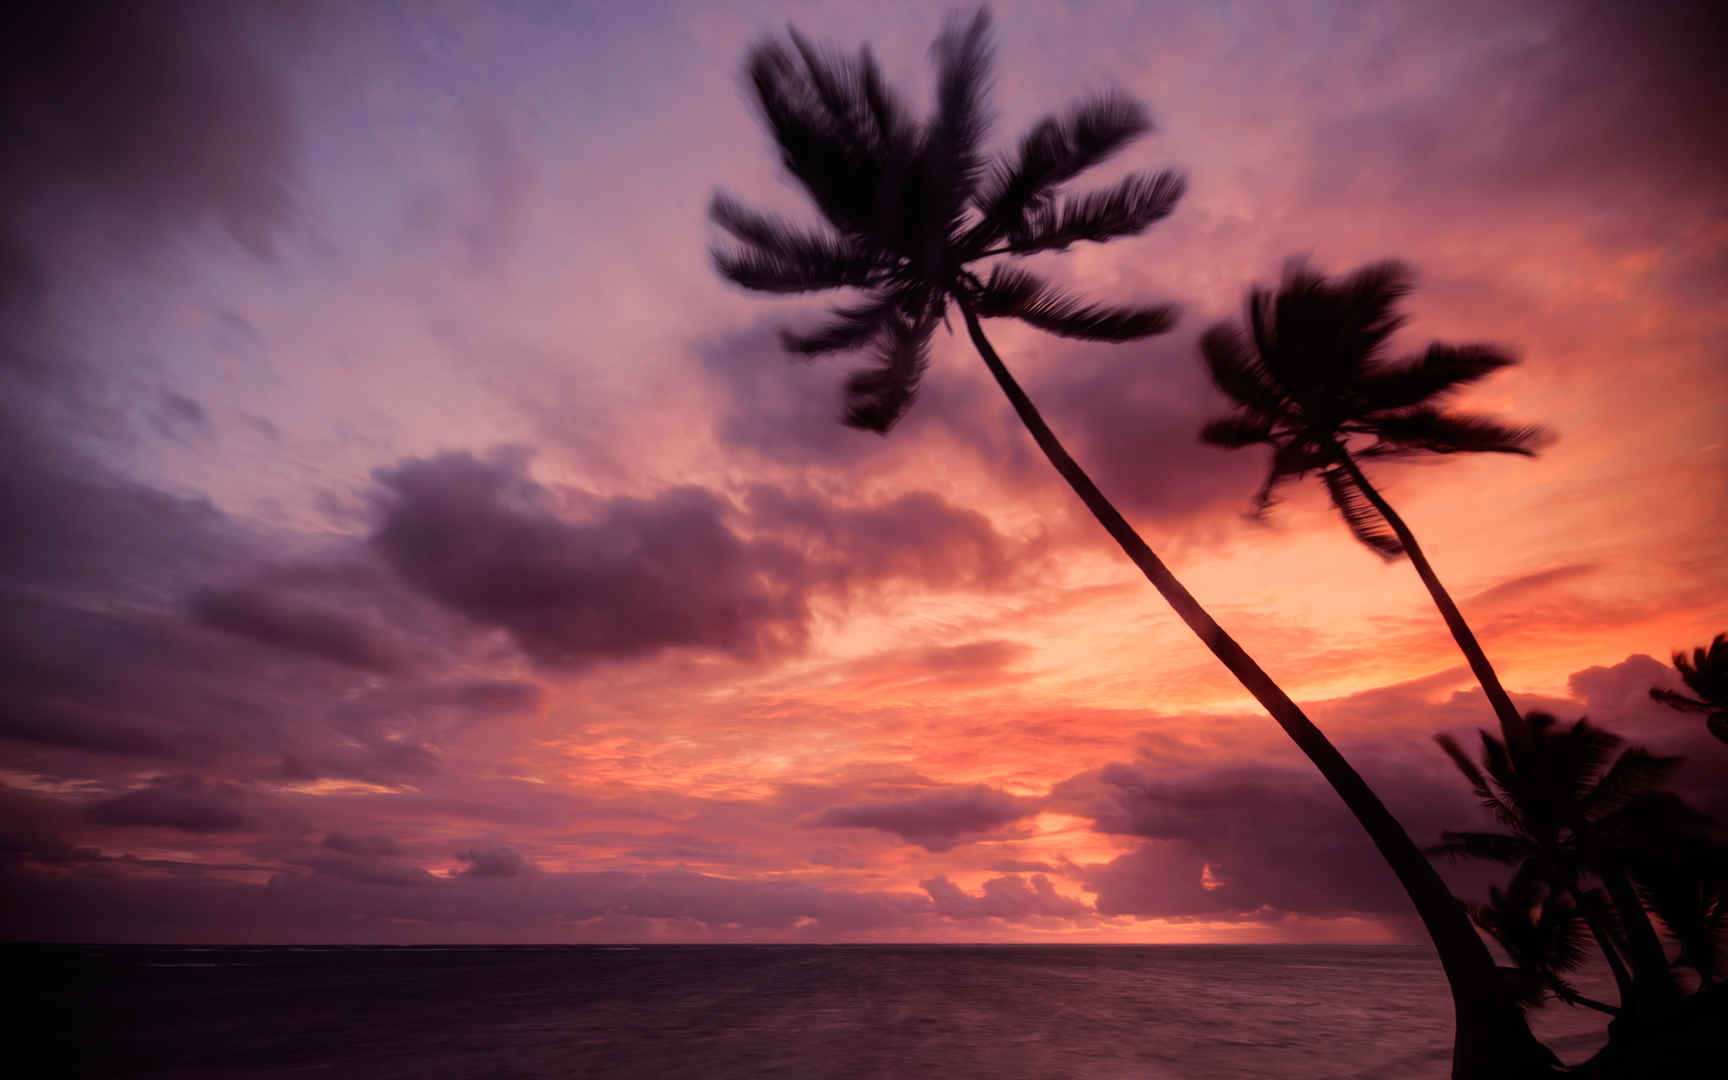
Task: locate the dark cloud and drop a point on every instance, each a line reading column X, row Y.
column 1260, row 840
column 917, row 536
column 364, row 869
column 497, row 862
column 286, row 622
column 935, row 820
column 1008, row 897
column 1628, row 96
column 184, row 802
column 139, row 120
column 577, row 579
column 635, row 578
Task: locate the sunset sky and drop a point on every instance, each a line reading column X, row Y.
column 408, row 537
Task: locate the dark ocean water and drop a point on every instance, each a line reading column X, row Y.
column 723, row 1012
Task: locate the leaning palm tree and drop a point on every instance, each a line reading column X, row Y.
column 1706, row 675
column 912, row 210
column 1311, row 379
column 1578, row 803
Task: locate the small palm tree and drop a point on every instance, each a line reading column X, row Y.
column 1706, row 675
column 1544, row 935
column 1311, row 379
column 912, row 208
column 1578, row 803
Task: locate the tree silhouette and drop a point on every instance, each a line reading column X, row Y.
column 1572, row 807
column 1312, row 381
column 910, row 208
column 1544, row 935
column 1706, row 675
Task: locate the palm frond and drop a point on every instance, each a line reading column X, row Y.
column 951, row 153
column 777, row 256
column 1126, row 208
column 877, row 396
column 1707, row 674
column 1235, row 432
column 837, row 129
column 1292, row 459
column 1057, row 149
column 1478, row 782
column 852, row 92
column 1237, row 372
column 1430, row 430
column 1372, row 294
column 1011, row 292
column 1365, row 522
column 1493, row 847
column 1676, row 700
column 1633, row 775
column 848, row 328
column 1437, row 371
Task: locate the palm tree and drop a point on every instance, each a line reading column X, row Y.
column 1312, row 381
column 1544, row 935
column 1707, row 677
column 1572, row 807
column 910, row 209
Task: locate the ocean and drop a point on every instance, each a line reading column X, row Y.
column 722, row 1012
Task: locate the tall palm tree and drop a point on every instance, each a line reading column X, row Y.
column 911, row 208
column 1577, row 803
column 1706, row 675
column 1311, row 379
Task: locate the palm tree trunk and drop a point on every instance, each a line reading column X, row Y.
column 1492, row 1037
column 1590, row 903
column 1652, row 977
column 1516, row 732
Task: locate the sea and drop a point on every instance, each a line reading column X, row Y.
column 1004, row 1012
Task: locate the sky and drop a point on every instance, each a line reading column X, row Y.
column 410, row 538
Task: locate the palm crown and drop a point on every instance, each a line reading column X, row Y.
column 1706, row 675
column 910, row 205
column 1311, row 379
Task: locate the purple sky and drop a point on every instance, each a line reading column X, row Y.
column 410, row 538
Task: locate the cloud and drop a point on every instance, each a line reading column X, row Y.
column 151, row 117
column 1007, row 897
column 917, row 536
column 362, row 845
column 935, row 820
column 1525, row 585
column 498, row 862
column 364, row 870
column 285, row 622
column 637, row 577
column 184, row 802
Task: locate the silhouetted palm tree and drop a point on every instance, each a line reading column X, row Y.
column 910, row 208
column 1572, row 807
column 1707, row 677
column 1312, row 380
column 1544, row 935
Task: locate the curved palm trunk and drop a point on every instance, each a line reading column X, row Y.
column 1492, row 1038
column 1512, row 725
column 1653, row 982
column 1652, row 977
column 1597, row 919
